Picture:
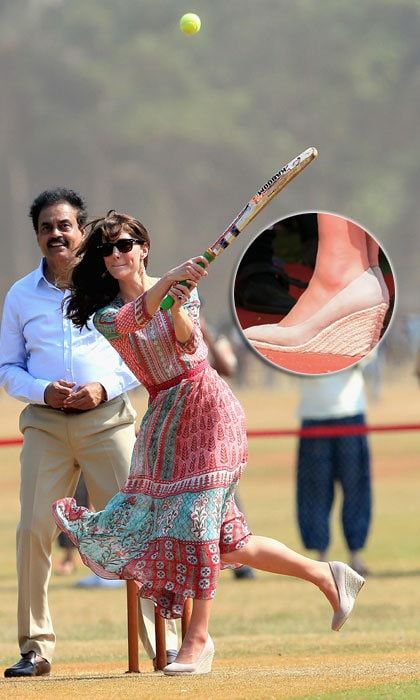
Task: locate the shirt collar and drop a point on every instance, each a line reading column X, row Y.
column 40, row 278
column 39, row 273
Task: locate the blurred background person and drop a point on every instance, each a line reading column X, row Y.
column 322, row 462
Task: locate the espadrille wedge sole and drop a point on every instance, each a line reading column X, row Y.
column 353, row 335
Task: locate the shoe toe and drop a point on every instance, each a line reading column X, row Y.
column 201, row 666
column 348, row 584
column 262, row 334
column 28, row 667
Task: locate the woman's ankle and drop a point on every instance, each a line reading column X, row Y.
column 331, row 278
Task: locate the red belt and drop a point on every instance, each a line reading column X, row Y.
column 188, row 374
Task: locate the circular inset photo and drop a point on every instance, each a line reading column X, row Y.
column 314, row 293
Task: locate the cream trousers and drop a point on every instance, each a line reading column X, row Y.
column 55, row 445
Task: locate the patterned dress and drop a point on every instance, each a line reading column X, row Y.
column 176, row 513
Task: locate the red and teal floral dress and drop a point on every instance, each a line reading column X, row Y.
column 176, row 514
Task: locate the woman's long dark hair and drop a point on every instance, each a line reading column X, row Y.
column 91, row 286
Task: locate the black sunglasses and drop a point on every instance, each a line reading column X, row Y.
column 123, row 245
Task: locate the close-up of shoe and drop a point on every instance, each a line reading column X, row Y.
column 30, row 665
column 341, row 285
column 199, row 667
column 348, row 324
column 348, row 583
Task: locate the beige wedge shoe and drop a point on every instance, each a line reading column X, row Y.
column 348, row 584
column 199, row 667
column 349, row 324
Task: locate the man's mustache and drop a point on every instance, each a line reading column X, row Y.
column 57, row 241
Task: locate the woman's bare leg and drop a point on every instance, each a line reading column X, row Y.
column 342, row 256
column 197, row 632
column 270, row 555
column 373, row 251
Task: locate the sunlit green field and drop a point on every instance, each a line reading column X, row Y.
column 272, row 635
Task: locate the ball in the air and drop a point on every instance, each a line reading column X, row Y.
column 190, row 23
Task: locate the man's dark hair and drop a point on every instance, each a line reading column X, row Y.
column 58, row 196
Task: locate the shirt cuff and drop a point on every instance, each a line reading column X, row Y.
column 190, row 346
column 37, row 391
column 113, row 388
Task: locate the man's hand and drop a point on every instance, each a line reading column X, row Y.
column 57, row 392
column 86, row 397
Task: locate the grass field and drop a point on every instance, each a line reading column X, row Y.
column 272, row 635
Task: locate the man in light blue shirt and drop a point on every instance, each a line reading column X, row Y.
column 78, row 415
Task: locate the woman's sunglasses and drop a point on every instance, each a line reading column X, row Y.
column 123, row 245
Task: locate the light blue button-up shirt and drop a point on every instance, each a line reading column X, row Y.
column 39, row 345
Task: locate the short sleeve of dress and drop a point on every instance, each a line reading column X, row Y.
column 115, row 320
column 192, row 307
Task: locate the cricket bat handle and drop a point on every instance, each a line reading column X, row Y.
column 167, row 302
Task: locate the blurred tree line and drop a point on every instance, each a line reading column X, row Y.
column 108, row 97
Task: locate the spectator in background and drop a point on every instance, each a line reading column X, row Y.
column 334, row 400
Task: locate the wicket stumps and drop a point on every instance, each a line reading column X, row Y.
column 160, row 637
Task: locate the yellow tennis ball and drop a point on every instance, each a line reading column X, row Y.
column 190, row 23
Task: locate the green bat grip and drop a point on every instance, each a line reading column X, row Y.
column 167, row 302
